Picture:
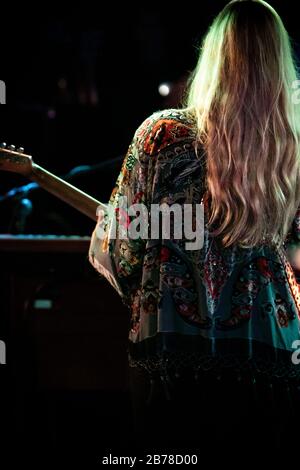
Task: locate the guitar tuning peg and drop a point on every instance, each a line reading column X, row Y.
column 20, row 150
column 3, row 145
column 11, row 147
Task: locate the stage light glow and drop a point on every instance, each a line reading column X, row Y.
column 164, row 89
column 51, row 113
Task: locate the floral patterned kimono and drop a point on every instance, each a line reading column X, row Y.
column 212, row 308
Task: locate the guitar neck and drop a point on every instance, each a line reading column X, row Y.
column 65, row 191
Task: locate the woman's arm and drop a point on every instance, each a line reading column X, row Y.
column 115, row 256
column 293, row 254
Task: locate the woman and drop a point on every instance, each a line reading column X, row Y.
column 213, row 330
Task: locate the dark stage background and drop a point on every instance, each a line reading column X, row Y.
column 79, row 80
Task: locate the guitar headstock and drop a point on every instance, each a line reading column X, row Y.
column 15, row 160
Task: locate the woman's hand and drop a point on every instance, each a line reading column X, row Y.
column 97, row 236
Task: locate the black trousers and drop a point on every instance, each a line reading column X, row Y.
column 214, row 415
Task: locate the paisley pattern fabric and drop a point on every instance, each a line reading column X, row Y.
column 211, row 308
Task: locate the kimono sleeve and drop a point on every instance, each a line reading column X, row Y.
column 114, row 255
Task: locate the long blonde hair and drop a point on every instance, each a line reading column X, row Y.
column 241, row 93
